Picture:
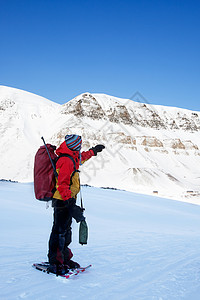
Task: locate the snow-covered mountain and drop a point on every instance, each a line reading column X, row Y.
column 149, row 149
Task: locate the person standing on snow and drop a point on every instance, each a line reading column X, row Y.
column 64, row 201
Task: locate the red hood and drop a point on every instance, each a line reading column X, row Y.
column 63, row 149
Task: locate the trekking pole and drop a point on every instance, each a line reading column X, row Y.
column 81, row 200
column 81, row 196
column 54, row 168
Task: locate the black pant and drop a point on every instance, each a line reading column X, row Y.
column 61, row 234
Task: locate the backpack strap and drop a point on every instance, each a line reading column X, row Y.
column 67, row 155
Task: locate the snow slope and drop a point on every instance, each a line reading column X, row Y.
column 141, row 247
column 23, row 119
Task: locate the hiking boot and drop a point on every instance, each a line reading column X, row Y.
column 66, row 268
column 72, row 264
column 57, row 269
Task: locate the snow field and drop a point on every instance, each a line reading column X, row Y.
column 141, row 247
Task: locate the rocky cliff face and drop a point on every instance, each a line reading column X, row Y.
column 132, row 120
column 133, row 114
column 86, row 106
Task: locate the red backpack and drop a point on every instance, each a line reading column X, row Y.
column 45, row 172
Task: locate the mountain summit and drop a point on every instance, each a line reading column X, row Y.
column 149, row 149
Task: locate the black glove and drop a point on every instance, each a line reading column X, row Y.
column 76, row 212
column 97, row 148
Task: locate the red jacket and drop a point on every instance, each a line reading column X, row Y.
column 68, row 184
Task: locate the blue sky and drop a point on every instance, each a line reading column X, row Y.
column 59, row 49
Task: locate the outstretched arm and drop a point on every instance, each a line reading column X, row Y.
column 85, row 155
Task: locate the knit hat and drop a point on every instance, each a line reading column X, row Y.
column 73, row 142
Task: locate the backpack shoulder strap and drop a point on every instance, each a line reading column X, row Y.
column 67, row 155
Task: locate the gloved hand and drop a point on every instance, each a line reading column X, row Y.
column 76, row 212
column 97, row 148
